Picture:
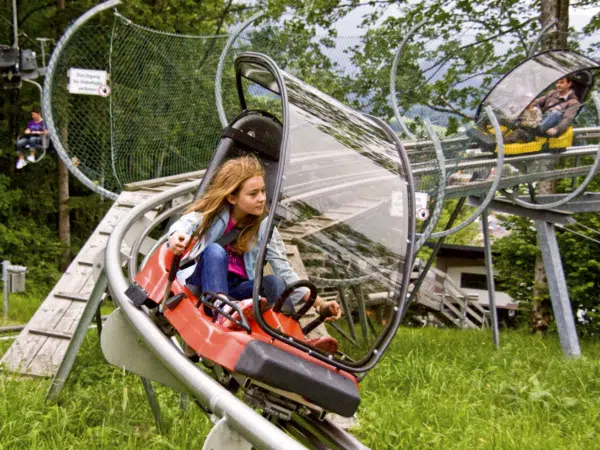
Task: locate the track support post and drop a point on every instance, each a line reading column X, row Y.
column 91, row 307
column 491, row 285
column 557, row 285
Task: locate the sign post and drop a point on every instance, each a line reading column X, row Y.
column 5, row 291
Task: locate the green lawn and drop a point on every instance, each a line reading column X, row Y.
column 433, row 389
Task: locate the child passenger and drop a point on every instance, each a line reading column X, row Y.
column 235, row 201
column 531, row 117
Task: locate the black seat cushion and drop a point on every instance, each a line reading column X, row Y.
column 277, row 368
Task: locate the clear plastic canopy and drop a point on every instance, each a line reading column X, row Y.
column 345, row 205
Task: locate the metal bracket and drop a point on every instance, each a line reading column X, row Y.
column 503, row 206
column 122, row 348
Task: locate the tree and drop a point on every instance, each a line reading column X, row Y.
column 29, row 211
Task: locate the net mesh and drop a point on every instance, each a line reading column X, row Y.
column 160, row 118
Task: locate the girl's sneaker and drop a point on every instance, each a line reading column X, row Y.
column 21, row 163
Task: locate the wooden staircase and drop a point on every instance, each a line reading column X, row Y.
column 449, row 303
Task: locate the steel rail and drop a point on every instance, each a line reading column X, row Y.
column 211, row 395
column 472, row 163
column 414, row 146
column 439, row 201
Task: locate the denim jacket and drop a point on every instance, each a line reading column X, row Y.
column 276, row 253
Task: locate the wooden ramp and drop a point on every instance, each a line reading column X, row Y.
column 40, row 348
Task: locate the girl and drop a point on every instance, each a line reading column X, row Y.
column 231, row 216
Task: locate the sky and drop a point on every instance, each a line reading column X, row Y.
column 349, row 26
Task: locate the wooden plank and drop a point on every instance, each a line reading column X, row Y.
column 69, row 320
column 22, row 352
column 182, row 178
column 51, row 333
column 71, row 296
column 46, row 362
column 50, row 313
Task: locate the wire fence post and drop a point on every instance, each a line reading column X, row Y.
column 5, row 291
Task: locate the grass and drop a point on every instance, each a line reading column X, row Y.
column 21, row 307
column 435, row 388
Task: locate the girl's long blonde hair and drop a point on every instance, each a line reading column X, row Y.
column 229, row 180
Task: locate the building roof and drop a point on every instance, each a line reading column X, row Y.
column 459, row 251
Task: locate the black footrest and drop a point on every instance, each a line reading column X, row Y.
column 139, row 296
column 174, row 301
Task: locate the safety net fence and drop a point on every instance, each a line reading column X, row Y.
column 130, row 103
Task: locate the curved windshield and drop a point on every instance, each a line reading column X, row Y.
column 345, row 215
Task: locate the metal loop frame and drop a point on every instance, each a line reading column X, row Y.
column 47, row 94
column 439, row 202
column 221, row 65
column 399, row 118
column 490, row 195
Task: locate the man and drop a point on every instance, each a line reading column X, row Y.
column 34, row 133
column 558, row 107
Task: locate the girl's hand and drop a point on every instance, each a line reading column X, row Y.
column 334, row 308
column 178, row 241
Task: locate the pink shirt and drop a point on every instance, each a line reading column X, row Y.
column 236, row 260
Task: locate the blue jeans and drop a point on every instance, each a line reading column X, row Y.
column 550, row 120
column 212, row 274
column 31, row 141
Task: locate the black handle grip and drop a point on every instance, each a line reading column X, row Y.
column 324, row 314
column 174, row 268
column 291, row 288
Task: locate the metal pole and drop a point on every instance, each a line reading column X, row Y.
column 491, row 285
column 362, row 313
column 559, row 294
column 153, row 400
column 99, row 321
column 345, row 305
column 86, row 319
column 15, row 26
column 5, row 290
